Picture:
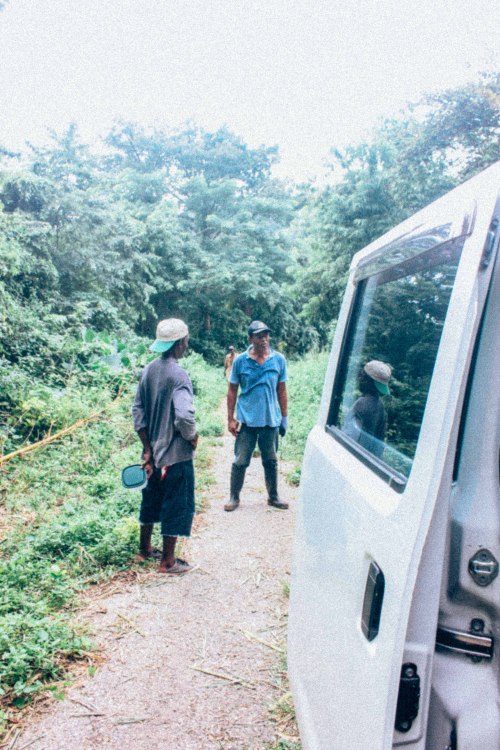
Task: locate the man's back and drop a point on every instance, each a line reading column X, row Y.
column 164, row 405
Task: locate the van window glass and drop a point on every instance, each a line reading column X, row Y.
column 388, row 357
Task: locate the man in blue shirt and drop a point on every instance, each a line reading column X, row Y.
column 262, row 411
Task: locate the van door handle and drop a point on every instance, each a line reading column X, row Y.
column 372, row 602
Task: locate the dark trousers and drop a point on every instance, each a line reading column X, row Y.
column 248, row 437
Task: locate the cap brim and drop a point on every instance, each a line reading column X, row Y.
column 382, row 388
column 161, row 346
column 260, row 330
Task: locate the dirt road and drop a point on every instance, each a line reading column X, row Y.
column 189, row 663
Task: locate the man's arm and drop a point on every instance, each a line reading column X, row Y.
column 283, row 404
column 283, row 399
column 147, row 453
column 140, row 426
column 232, row 393
column 184, row 416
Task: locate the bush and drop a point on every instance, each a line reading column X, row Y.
column 305, row 385
column 33, row 645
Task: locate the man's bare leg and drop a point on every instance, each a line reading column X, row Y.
column 168, row 555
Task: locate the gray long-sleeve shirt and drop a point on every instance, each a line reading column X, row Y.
column 365, row 423
column 163, row 406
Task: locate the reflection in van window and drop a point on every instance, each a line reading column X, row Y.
column 389, row 354
column 366, row 419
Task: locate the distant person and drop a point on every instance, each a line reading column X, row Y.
column 366, row 420
column 164, row 419
column 228, row 361
column 260, row 374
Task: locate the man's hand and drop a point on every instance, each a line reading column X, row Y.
column 147, row 462
column 283, row 426
column 148, row 466
column 232, row 426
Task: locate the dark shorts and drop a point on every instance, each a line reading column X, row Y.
column 170, row 501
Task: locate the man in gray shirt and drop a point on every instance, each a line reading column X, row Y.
column 164, row 419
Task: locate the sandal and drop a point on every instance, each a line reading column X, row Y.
column 178, row 568
column 155, row 554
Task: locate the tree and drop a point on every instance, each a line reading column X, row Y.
column 187, row 224
column 409, row 162
column 191, row 153
column 232, row 261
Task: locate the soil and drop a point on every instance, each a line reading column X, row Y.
column 190, row 662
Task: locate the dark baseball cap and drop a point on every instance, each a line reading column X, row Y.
column 257, row 326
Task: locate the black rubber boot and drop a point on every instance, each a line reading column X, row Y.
column 237, row 479
column 271, row 476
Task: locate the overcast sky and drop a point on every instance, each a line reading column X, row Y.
column 306, row 75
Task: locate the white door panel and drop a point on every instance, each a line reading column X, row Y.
column 333, row 556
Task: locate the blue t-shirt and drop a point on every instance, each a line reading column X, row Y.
column 258, row 399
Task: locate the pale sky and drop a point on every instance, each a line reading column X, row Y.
column 307, row 75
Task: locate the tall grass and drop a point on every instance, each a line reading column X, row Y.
column 305, row 385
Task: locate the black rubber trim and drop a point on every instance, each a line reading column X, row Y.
column 394, row 479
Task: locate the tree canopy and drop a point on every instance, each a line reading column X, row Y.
column 96, row 245
column 410, row 161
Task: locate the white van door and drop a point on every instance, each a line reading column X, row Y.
column 373, row 529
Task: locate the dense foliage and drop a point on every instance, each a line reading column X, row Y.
column 95, row 246
column 410, row 161
column 188, row 224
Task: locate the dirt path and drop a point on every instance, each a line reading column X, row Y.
column 158, row 634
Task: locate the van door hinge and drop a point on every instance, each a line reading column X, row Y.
column 408, row 697
column 472, row 643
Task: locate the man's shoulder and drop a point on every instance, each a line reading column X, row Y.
column 166, row 367
column 179, row 372
column 367, row 404
column 240, row 358
column 279, row 357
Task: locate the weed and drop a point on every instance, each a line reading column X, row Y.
column 284, row 744
column 283, row 711
column 305, row 384
column 293, row 476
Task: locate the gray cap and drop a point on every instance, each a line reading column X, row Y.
column 257, row 326
column 167, row 333
column 380, row 373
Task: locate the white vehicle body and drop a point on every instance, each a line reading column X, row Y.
column 394, row 626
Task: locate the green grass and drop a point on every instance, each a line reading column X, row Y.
column 305, row 385
column 67, row 523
